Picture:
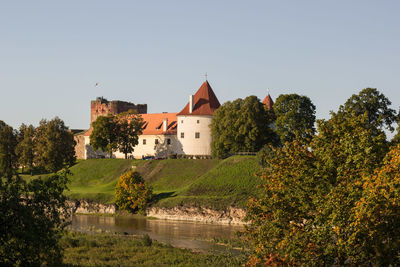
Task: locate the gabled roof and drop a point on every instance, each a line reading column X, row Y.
column 268, row 102
column 205, row 102
column 153, row 123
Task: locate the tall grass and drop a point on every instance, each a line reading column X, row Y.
column 82, row 249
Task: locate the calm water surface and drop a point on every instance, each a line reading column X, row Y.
column 191, row 235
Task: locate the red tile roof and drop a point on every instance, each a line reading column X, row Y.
column 153, row 124
column 205, row 102
column 268, row 102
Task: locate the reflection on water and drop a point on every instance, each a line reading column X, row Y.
column 189, row 235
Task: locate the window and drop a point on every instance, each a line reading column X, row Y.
column 181, row 121
column 197, row 135
column 144, row 141
column 182, row 135
column 156, row 141
column 198, row 121
column 168, row 141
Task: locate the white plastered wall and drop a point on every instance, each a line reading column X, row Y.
column 162, row 149
column 189, row 125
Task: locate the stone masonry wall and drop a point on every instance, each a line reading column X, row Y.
column 103, row 107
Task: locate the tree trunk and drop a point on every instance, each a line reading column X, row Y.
column 126, row 155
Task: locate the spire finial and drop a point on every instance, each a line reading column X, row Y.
column 206, row 76
column 268, row 90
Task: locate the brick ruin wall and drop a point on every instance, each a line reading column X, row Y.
column 102, row 107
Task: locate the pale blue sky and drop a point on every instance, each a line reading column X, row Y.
column 156, row 52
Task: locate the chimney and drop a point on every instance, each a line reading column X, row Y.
column 191, row 103
column 165, row 125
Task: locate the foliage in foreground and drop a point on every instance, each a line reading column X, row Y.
column 132, row 193
column 32, row 220
column 113, row 250
column 320, row 208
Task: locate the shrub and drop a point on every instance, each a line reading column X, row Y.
column 132, row 193
column 146, row 240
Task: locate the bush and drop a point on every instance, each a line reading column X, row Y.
column 146, row 240
column 132, row 193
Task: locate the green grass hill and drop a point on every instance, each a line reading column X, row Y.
column 212, row 183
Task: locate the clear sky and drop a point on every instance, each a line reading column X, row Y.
column 156, row 52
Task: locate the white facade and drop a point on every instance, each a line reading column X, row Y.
column 194, row 134
column 148, row 146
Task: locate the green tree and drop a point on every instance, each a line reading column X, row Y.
column 55, row 145
column 132, row 193
column 104, row 135
column 8, row 143
column 26, row 146
column 33, row 216
column 241, row 125
column 306, row 214
column 373, row 103
column 396, row 137
column 295, row 117
column 129, row 125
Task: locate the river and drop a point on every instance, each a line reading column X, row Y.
column 190, row 235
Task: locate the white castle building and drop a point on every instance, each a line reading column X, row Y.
column 185, row 133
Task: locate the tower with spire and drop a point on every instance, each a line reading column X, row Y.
column 194, row 121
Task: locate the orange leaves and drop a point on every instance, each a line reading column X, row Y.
column 131, row 192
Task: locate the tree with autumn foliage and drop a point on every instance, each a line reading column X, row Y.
column 376, row 216
column 318, row 205
column 132, row 193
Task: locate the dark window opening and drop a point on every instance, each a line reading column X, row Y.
column 197, row 135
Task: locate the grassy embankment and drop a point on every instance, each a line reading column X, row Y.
column 211, row 183
column 82, row 249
